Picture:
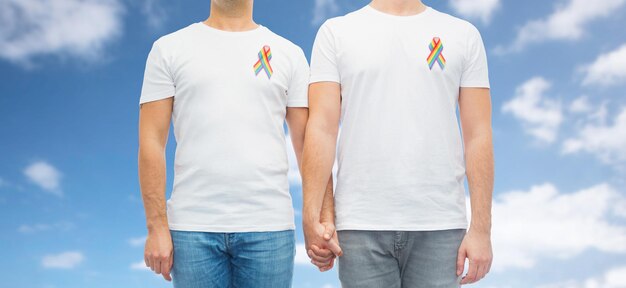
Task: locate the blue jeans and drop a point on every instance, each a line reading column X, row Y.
column 399, row 259
column 249, row 259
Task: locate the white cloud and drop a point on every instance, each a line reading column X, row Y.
column 477, row 9
column 605, row 141
column 301, row 257
column 139, row 265
column 567, row 22
column 608, row 69
column 596, row 114
column 78, row 28
column 41, row 227
column 65, row 260
column 580, row 105
column 45, row 176
column 154, row 13
column 3, row 182
column 541, row 117
column 613, row 278
column 543, row 223
column 323, row 10
column 137, row 241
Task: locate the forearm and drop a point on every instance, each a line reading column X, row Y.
column 152, row 179
column 328, row 205
column 296, row 121
column 319, row 154
column 480, row 176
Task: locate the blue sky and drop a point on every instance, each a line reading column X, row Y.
column 71, row 76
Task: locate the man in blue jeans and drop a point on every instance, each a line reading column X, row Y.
column 394, row 73
column 227, row 84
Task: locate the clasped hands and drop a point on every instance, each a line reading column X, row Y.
column 322, row 244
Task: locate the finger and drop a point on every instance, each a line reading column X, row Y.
column 329, row 231
column 486, row 266
column 150, row 263
column 166, row 274
column 460, row 262
column 312, row 256
column 322, row 252
column 165, row 269
column 319, row 264
column 157, row 265
column 480, row 273
column 330, row 266
column 333, row 246
column 171, row 264
column 470, row 277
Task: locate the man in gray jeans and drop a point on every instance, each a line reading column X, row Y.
column 394, row 73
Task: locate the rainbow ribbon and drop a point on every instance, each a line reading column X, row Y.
column 265, row 55
column 435, row 54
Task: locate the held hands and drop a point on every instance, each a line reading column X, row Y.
column 322, row 244
column 158, row 253
column 476, row 247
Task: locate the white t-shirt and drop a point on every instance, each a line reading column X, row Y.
column 229, row 108
column 400, row 155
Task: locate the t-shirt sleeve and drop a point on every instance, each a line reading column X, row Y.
column 158, row 82
column 297, row 92
column 324, row 57
column 475, row 70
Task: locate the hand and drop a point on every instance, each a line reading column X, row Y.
column 322, row 244
column 159, row 252
column 476, row 247
column 316, row 252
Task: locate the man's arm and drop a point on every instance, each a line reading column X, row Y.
column 328, row 206
column 319, row 146
column 319, row 154
column 296, row 121
column 475, row 111
column 154, row 124
column 325, row 258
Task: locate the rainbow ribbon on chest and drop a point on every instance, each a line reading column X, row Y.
column 265, row 55
column 436, row 47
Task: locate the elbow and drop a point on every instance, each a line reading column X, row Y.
column 149, row 150
column 478, row 139
column 322, row 127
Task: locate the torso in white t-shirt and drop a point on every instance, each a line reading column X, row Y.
column 231, row 91
column 400, row 155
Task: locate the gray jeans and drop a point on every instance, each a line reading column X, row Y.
column 390, row 259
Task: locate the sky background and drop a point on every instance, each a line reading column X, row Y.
column 71, row 73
